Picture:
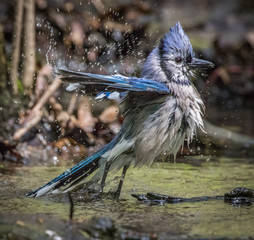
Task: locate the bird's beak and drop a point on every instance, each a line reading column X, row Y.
column 200, row 64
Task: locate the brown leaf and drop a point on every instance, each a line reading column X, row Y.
column 44, row 74
column 85, row 118
column 58, row 19
column 20, row 223
column 70, row 146
column 99, row 6
column 41, row 4
column 110, row 25
column 109, row 114
column 77, row 34
column 69, row 6
column 63, row 117
column 250, row 38
column 55, row 105
column 92, row 55
column 115, row 127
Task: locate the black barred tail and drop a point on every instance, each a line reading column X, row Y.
column 74, row 176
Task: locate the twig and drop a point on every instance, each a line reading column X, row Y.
column 29, row 45
column 33, row 121
column 222, row 137
column 72, row 104
column 71, row 206
column 34, row 117
column 52, row 88
column 3, row 62
column 16, row 46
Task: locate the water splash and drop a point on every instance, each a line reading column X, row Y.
column 116, row 50
column 52, row 45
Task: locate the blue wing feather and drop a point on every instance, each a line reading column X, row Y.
column 111, row 95
column 80, row 80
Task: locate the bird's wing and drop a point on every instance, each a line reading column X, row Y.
column 103, row 84
column 111, row 95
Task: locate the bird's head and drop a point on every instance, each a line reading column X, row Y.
column 177, row 57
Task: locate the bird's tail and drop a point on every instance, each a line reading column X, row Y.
column 74, row 176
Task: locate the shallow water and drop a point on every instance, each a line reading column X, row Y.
column 192, row 177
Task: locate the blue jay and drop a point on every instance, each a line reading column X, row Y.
column 161, row 109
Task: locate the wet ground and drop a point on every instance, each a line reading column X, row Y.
column 194, row 176
column 190, row 177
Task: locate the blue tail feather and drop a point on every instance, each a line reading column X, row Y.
column 75, row 174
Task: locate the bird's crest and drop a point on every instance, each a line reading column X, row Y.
column 176, row 41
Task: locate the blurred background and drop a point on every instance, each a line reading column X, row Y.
column 40, row 119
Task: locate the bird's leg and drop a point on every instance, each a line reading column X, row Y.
column 105, row 173
column 119, row 188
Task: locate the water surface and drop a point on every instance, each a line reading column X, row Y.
column 192, row 177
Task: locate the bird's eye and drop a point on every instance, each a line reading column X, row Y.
column 188, row 59
column 178, row 59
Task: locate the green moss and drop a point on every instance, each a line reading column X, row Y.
column 211, row 219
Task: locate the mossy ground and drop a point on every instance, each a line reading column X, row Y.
column 193, row 177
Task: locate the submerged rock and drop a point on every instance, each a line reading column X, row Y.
column 157, row 199
column 240, row 196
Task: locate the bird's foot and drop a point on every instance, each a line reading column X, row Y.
column 114, row 195
column 96, row 194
